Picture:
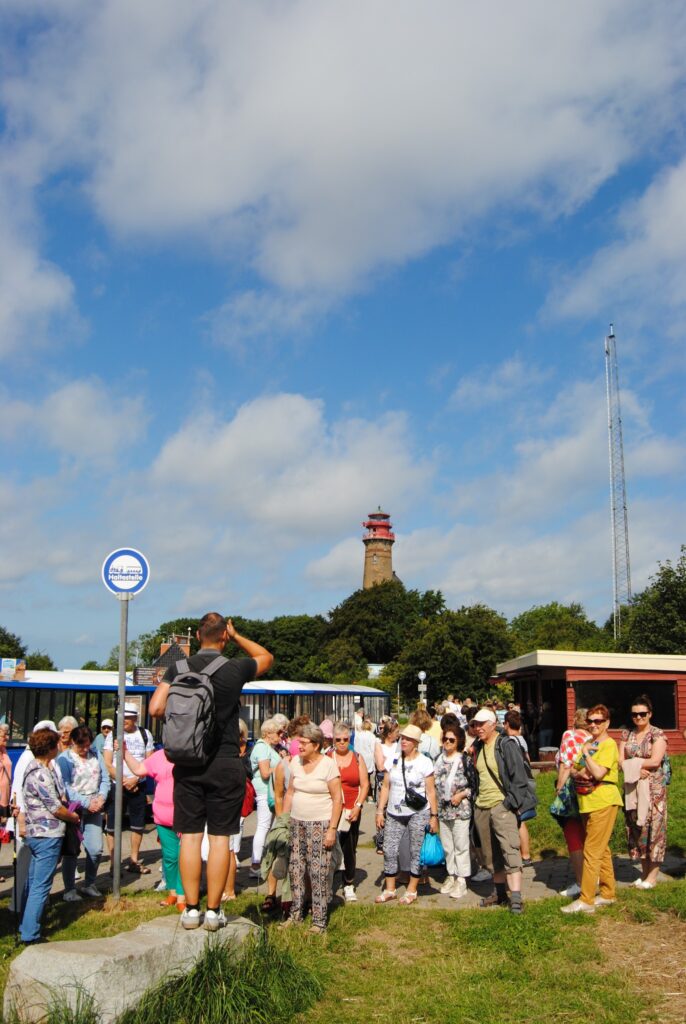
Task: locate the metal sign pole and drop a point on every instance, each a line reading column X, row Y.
column 121, row 699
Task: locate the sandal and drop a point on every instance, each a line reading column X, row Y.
column 269, row 905
column 170, row 901
column 386, row 896
column 407, row 899
column 316, row 929
column 138, row 868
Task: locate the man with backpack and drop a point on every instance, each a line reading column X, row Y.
column 506, row 796
column 199, row 700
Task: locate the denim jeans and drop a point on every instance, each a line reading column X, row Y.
column 92, row 844
column 45, row 854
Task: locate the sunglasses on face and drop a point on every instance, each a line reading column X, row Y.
column 640, row 714
column 342, row 739
column 596, row 721
column 449, row 739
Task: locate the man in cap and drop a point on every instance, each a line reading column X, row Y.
column 139, row 745
column 106, row 727
column 212, row 795
column 506, row 792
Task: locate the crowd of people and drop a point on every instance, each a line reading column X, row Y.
column 459, row 771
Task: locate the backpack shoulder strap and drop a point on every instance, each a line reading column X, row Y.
column 215, row 665
column 181, row 667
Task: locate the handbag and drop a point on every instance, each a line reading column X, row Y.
column 413, row 799
column 432, row 854
column 71, row 842
column 565, row 805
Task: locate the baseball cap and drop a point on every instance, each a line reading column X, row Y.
column 130, row 710
column 485, row 715
column 45, row 723
column 107, row 721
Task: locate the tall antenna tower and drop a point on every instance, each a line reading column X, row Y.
column 621, row 569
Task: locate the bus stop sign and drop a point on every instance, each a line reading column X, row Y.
column 125, row 571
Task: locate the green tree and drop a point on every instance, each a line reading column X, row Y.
column 91, row 666
column 457, row 650
column 655, row 622
column 340, row 661
column 557, row 627
column 40, row 662
column 382, row 618
column 11, row 645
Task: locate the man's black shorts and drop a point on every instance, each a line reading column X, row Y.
column 211, row 796
column 134, row 806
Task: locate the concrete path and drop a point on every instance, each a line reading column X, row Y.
column 546, row 877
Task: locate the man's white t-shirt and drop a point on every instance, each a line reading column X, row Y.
column 138, row 745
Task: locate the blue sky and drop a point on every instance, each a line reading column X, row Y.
column 265, row 267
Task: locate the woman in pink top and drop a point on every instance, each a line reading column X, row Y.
column 5, row 778
column 157, row 767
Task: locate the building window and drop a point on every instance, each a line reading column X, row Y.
column 619, row 694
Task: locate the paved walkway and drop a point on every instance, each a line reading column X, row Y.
column 545, row 878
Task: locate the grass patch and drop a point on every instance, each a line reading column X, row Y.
column 260, row 985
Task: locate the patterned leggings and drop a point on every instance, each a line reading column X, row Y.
column 393, row 833
column 309, row 856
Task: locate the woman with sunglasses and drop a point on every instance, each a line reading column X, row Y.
column 454, row 794
column 355, row 783
column 647, row 840
column 596, row 774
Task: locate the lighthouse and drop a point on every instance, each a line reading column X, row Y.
column 378, row 547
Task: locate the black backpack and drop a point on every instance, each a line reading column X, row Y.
column 189, row 732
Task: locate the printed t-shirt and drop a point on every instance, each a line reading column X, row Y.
column 490, row 793
column 416, row 772
column 311, row 797
column 158, row 768
column 43, row 795
column 607, row 793
column 262, row 751
column 228, row 683
column 137, row 744
column 571, row 743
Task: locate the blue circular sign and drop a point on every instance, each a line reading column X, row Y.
column 125, row 571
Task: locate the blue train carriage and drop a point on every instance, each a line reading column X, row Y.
column 92, row 696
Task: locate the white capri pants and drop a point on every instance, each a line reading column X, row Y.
column 455, row 839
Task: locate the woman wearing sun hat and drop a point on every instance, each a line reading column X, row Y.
column 407, row 805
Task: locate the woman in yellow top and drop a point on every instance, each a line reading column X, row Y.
column 595, row 774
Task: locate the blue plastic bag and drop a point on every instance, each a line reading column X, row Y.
column 431, row 854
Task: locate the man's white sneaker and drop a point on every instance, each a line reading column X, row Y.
column 349, row 894
column 578, row 907
column 214, row 921
column 71, row 896
column 161, row 886
column 448, row 885
column 572, row 891
column 641, row 884
column 190, row 919
column 92, row 891
column 459, row 889
column 601, row 901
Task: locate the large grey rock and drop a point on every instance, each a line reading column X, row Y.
column 116, row 971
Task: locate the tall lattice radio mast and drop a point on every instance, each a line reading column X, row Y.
column 621, row 568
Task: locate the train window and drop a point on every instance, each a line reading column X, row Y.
column 4, row 705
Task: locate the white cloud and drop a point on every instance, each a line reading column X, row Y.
column 490, row 385
column 645, row 264
column 318, row 144
column 83, row 421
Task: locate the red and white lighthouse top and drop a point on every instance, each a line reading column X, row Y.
column 379, row 526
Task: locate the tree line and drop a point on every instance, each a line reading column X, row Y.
column 408, row 631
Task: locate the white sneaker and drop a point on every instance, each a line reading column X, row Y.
column 349, row 894
column 572, row 891
column 214, row 921
column 71, row 896
column 161, row 886
column 601, row 901
column 92, row 891
column 640, row 883
column 578, row 907
column 190, row 919
column 449, row 885
column 459, row 889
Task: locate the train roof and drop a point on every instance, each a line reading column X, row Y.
column 84, row 679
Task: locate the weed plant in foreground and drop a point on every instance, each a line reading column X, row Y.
column 263, row 984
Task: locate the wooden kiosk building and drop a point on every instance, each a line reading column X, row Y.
column 571, row 679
